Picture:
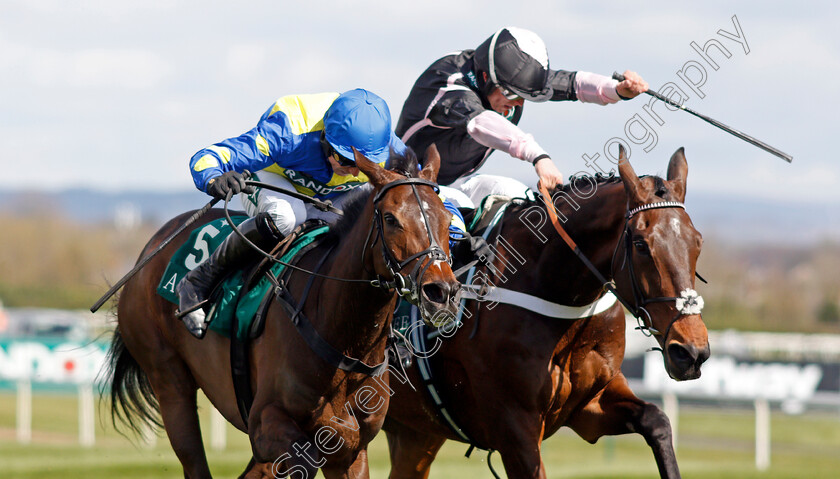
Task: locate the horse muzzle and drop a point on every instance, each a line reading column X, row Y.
column 439, row 302
column 687, row 351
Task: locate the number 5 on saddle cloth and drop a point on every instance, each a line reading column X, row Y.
column 229, row 298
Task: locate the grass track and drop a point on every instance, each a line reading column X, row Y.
column 712, row 444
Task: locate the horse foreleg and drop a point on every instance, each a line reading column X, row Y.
column 412, row 452
column 521, row 453
column 280, row 447
column 616, row 410
column 357, row 470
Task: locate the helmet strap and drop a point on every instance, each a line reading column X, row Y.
column 491, row 55
column 485, row 86
column 325, row 145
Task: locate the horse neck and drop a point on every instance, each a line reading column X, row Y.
column 596, row 227
column 354, row 314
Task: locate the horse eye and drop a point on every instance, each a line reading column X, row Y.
column 641, row 246
column 391, row 220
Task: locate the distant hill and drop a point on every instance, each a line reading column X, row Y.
column 746, row 220
column 739, row 220
column 91, row 206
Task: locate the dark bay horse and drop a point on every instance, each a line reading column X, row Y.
column 306, row 413
column 511, row 377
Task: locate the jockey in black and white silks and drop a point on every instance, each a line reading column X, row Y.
column 469, row 103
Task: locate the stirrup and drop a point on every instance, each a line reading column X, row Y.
column 180, row 314
column 197, row 328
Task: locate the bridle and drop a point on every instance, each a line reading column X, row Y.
column 687, row 303
column 407, row 286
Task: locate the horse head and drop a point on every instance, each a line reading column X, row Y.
column 657, row 269
column 413, row 229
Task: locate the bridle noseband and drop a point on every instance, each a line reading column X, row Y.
column 406, row 286
column 689, row 302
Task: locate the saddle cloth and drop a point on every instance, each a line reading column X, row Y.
column 230, row 297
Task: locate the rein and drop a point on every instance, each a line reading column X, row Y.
column 687, row 303
column 406, row 286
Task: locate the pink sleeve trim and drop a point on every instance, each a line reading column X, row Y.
column 495, row 131
column 594, row 88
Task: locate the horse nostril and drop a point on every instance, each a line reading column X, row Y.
column 436, row 292
column 683, row 355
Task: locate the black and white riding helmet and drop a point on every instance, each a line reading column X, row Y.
column 517, row 60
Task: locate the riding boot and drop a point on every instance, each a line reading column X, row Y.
column 195, row 288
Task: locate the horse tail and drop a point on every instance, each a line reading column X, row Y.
column 133, row 402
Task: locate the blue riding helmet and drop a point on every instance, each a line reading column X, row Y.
column 360, row 119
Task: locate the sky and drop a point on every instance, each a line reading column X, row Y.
column 118, row 95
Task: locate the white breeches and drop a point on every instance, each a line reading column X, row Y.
column 479, row 186
column 286, row 212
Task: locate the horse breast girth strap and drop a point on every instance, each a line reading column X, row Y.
column 406, row 286
column 315, row 341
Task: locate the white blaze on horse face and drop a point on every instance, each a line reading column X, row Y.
column 675, row 225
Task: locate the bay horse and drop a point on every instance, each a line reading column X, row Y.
column 306, row 413
column 510, row 377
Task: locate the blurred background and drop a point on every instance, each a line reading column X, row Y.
column 103, row 103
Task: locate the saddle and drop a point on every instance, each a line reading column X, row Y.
column 415, row 339
column 266, row 278
column 240, row 304
column 482, row 217
column 238, row 299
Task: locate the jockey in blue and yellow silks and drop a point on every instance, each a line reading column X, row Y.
column 286, row 141
column 303, row 143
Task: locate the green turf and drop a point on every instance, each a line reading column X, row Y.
column 712, row 444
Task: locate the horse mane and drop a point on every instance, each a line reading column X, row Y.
column 585, row 181
column 352, row 208
column 405, row 164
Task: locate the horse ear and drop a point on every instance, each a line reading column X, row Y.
column 677, row 173
column 432, row 164
column 378, row 176
column 632, row 184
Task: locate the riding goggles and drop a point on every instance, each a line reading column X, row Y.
column 509, row 94
column 329, row 151
column 342, row 161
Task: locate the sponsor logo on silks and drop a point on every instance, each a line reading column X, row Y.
column 471, row 78
column 254, row 198
column 318, row 187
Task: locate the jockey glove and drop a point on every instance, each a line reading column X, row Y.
column 234, row 181
column 473, row 247
column 480, row 249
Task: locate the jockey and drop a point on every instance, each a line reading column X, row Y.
column 469, row 103
column 303, row 143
